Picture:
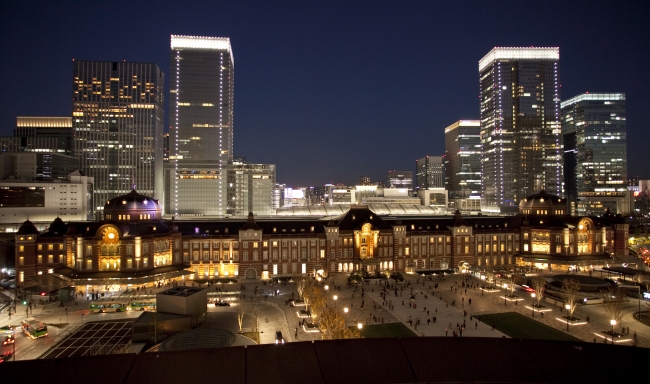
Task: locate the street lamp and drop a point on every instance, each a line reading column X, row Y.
column 613, row 323
column 360, row 326
column 326, row 287
column 335, row 297
column 533, row 296
column 505, row 301
column 568, row 308
column 346, row 315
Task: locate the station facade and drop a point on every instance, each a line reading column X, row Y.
column 134, row 244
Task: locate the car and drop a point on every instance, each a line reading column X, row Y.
column 278, row 338
column 527, row 288
column 7, row 329
column 10, row 339
column 222, row 303
column 6, row 355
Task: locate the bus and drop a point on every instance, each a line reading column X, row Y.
column 107, row 306
column 142, row 305
column 34, row 328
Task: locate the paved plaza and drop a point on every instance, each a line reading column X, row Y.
column 439, row 301
column 449, row 304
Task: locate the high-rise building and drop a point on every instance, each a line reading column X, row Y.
column 429, row 173
column 201, row 98
column 117, row 122
column 595, row 157
column 520, row 125
column 400, row 179
column 463, row 158
column 201, row 117
column 364, row 180
column 166, row 147
column 56, row 130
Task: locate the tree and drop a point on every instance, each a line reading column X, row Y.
column 240, row 311
column 613, row 301
column 511, row 284
column 301, row 285
column 332, row 326
column 490, row 276
column 539, row 285
column 570, row 288
column 318, row 301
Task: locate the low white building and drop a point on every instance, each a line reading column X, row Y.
column 43, row 201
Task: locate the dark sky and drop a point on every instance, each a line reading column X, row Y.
column 330, row 91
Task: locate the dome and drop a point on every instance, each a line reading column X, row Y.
column 543, row 204
column 132, row 207
column 58, row 227
column 27, row 229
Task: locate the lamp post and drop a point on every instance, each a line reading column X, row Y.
column 326, row 287
column 533, row 296
column 360, row 326
column 613, row 323
column 505, row 301
column 335, row 297
column 568, row 308
column 346, row 316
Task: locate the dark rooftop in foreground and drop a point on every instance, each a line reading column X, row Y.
column 407, row 360
column 181, row 291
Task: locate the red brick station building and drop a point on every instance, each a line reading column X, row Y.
column 135, row 245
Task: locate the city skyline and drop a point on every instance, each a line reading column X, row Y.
column 311, row 88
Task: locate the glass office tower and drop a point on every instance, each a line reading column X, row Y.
column 201, row 98
column 463, row 158
column 520, row 126
column 594, row 130
column 117, row 122
column 429, row 173
column 201, row 134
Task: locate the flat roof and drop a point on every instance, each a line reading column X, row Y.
column 182, row 290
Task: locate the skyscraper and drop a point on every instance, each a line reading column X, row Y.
column 429, row 173
column 201, row 90
column 117, row 122
column 595, row 158
column 201, row 136
column 520, row 125
column 463, row 158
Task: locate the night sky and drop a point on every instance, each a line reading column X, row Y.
column 330, row 91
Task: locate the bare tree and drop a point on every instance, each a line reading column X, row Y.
column 256, row 319
column 301, row 285
column 613, row 301
column 490, row 277
column 539, row 285
column 318, row 302
column 570, row 288
column 644, row 280
column 332, row 326
column 511, row 284
column 240, row 311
